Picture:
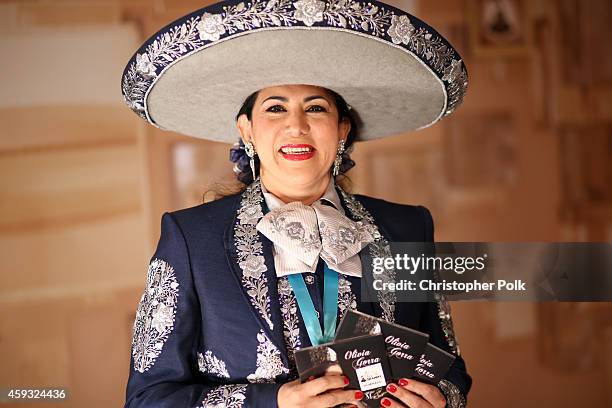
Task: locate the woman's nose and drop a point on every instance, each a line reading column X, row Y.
column 297, row 123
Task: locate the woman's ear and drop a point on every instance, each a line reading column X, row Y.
column 244, row 127
column 344, row 128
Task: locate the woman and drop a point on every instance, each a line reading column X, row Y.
column 221, row 316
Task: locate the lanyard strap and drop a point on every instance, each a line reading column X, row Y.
column 307, row 309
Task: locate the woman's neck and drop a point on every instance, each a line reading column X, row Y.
column 305, row 193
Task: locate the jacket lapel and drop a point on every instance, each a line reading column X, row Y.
column 250, row 258
column 378, row 248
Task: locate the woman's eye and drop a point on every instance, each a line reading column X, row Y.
column 275, row 108
column 316, row 108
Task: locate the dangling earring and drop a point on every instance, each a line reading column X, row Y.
column 338, row 159
column 250, row 151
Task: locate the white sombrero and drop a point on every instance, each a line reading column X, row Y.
column 396, row 72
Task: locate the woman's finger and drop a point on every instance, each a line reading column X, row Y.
column 429, row 393
column 337, row 397
column 391, row 403
column 334, row 369
column 324, row 383
column 408, row 398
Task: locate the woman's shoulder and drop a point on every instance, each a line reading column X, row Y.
column 207, row 216
column 386, row 208
column 400, row 218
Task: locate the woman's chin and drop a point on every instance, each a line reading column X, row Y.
column 300, row 176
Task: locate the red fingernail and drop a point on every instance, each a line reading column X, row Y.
column 346, row 380
column 403, row 382
column 391, row 388
column 358, row 395
column 386, row 402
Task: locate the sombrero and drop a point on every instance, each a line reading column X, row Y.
column 395, row 71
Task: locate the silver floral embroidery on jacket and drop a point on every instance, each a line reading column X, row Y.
column 250, row 251
column 226, row 396
column 352, row 15
column 291, row 328
column 346, row 298
column 454, row 397
column 378, row 249
column 269, row 364
column 155, row 315
column 446, row 321
column 208, row 363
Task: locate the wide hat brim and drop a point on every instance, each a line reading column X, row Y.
column 396, row 72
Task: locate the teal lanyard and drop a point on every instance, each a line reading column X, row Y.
column 307, row 309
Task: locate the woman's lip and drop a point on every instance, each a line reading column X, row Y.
column 297, row 145
column 298, row 156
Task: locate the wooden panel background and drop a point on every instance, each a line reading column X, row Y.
column 83, row 184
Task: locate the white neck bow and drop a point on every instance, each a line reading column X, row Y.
column 301, row 234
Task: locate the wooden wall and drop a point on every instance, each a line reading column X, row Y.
column 83, row 184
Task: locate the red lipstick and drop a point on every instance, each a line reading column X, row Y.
column 297, row 151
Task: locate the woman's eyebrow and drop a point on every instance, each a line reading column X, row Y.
column 280, row 98
column 310, row 98
column 283, row 99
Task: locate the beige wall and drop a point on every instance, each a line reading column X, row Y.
column 74, row 235
column 83, row 184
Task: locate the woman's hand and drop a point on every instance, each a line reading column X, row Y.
column 325, row 391
column 414, row 394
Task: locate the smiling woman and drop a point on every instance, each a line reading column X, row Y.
column 257, row 275
column 297, row 131
column 331, row 101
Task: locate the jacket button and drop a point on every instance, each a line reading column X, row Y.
column 309, row 279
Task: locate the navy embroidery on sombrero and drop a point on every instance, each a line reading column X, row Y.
column 225, row 20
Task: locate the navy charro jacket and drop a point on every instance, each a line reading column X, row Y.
column 216, row 327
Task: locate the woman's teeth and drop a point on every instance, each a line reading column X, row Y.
column 295, row 150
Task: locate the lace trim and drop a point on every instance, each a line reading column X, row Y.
column 454, row 397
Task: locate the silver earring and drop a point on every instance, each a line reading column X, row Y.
column 338, row 159
column 250, row 151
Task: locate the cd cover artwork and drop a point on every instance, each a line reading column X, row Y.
column 433, row 365
column 362, row 359
column 404, row 346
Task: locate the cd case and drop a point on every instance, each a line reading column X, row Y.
column 433, row 365
column 404, row 346
column 363, row 360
